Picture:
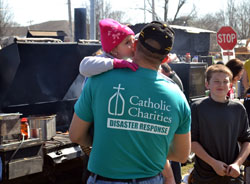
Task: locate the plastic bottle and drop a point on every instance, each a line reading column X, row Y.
column 25, row 129
column 188, row 57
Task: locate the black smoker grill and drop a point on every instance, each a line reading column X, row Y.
column 41, row 79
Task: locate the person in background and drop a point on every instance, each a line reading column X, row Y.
column 220, row 62
column 247, row 163
column 246, row 75
column 236, row 67
column 218, row 124
column 247, row 102
column 129, row 147
column 117, row 43
column 167, row 70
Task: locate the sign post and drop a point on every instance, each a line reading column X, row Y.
column 227, row 39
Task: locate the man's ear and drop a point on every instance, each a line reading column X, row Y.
column 207, row 85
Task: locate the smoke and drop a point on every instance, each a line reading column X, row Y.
column 75, row 89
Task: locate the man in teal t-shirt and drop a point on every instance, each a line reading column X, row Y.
column 140, row 118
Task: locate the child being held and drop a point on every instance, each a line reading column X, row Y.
column 117, row 43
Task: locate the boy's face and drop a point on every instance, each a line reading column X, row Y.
column 219, row 86
column 126, row 48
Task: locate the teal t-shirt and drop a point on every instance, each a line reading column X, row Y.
column 136, row 115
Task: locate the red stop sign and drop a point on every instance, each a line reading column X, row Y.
column 226, row 38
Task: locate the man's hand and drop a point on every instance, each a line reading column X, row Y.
column 233, row 170
column 220, row 168
column 120, row 63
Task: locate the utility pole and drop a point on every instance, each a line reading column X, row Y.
column 153, row 10
column 70, row 21
column 92, row 20
column 30, row 24
column 144, row 11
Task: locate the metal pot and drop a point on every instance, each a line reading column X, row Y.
column 47, row 124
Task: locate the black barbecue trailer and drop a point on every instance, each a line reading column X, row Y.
column 42, row 78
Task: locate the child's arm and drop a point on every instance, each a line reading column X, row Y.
column 234, row 169
column 245, row 81
column 219, row 167
column 94, row 65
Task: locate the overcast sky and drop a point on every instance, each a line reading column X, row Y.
column 26, row 12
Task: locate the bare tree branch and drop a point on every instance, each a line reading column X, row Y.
column 166, row 10
column 5, row 18
column 148, row 10
column 243, row 20
column 237, row 16
column 103, row 9
column 180, row 4
column 149, row 3
column 231, row 13
column 193, row 12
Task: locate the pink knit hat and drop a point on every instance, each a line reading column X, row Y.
column 113, row 33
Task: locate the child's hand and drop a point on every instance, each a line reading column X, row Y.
column 120, row 63
column 233, row 170
column 220, row 168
